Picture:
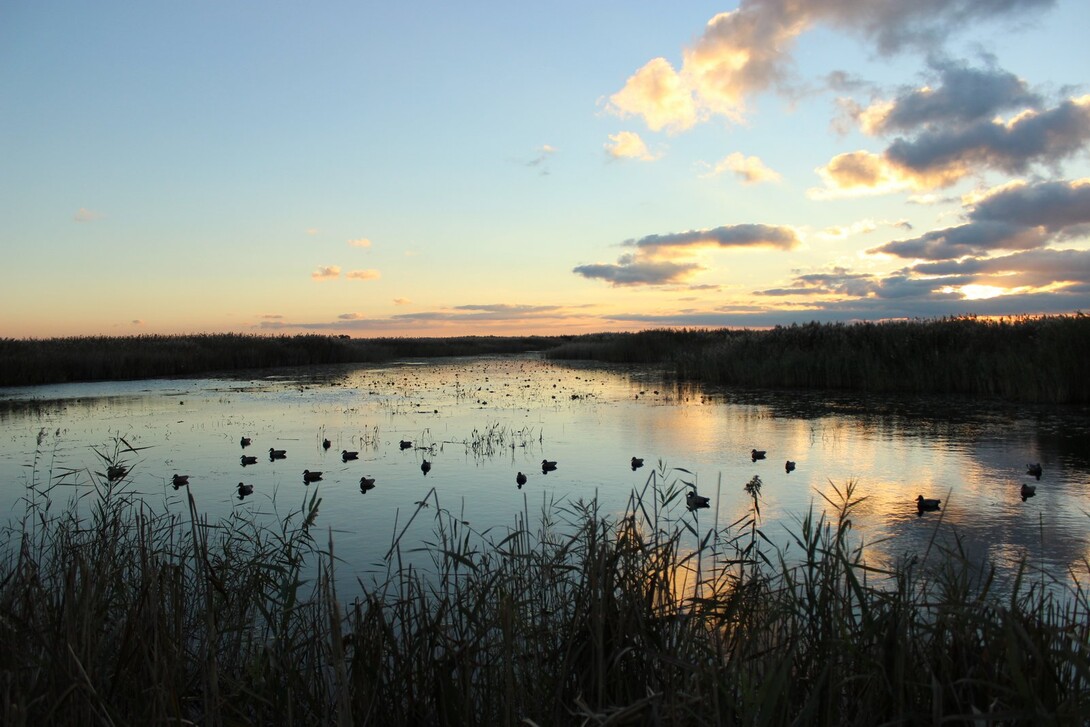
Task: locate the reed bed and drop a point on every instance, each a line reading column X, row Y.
column 25, row 362
column 1029, row 359
column 111, row 613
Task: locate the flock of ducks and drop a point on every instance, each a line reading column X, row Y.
column 927, row 504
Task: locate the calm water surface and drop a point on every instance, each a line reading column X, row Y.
column 482, row 420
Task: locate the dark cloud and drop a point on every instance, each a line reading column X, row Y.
column 975, row 238
column 629, row 271
column 964, row 95
column 748, row 235
column 1035, row 268
column 1053, row 205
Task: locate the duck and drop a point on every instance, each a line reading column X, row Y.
column 247, row 459
column 757, row 454
column 179, row 481
column 367, row 483
column 789, row 466
column 636, row 463
column 309, row 476
column 1028, row 491
column 925, row 504
column 1034, row 469
column 405, row 444
column 244, row 490
column 547, row 465
column 277, row 453
column 694, row 501
column 116, row 472
column 244, row 441
column 346, row 455
column 425, row 467
column 520, row 480
column 326, row 444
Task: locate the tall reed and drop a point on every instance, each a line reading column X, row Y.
column 574, row 614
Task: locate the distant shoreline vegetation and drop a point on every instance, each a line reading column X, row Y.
column 1030, row 359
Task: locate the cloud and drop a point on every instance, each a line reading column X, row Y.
column 1030, row 269
column 363, row 275
column 629, row 271
column 748, row 50
column 360, row 242
column 85, row 215
column 628, row 145
column 351, row 316
column 751, row 170
column 745, row 235
column 402, row 301
column 329, row 272
column 1015, row 216
column 272, row 316
column 137, row 321
column 539, row 161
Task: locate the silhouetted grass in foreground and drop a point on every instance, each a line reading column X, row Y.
column 57, row 360
column 121, row 615
column 1039, row 359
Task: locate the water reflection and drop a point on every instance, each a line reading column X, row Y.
column 466, row 429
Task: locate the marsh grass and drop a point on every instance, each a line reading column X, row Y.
column 572, row 615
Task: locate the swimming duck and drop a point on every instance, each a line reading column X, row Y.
column 245, row 441
column 116, row 472
column 244, row 490
column 367, row 483
column 1028, row 491
column 757, row 454
column 636, row 463
column 248, row 459
column 309, row 476
column 326, row 444
column 520, row 480
column 790, row 466
column 277, row 453
column 346, row 455
column 179, row 481
column 405, row 444
column 425, row 467
column 547, row 465
column 1034, row 469
column 694, row 501
column 924, row 504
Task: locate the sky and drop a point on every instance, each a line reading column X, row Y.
column 488, row 168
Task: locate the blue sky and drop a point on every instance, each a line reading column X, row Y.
column 430, row 169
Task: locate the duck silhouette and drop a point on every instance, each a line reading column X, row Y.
column 425, row 467
column 520, row 480
column 405, row 444
column 277, row 453
column 756, row 454
column 179, row 481
column 326, row 444
column 247, row 459
column 636, row 463
column 309, row 476
column 346, row 455
column 1028, row 491
column 1034, row 469
column 924, row 504
column 244, row 490
column 116, row 472
column 694, row 501
column 789, row 466
column 367, row 483
column 547, row 465
column 244, row 442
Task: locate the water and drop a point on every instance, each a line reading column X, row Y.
column 479, row 421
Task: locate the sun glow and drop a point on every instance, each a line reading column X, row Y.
column 981, row 292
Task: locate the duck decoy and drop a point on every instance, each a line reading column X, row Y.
column 636, row 463
column 244, row 441
column 346, row 455
column 547, row 465
column 425, row 467
column 520, row 480
column 326, row 444
column 309, row 476
column 367, row 483
column 277, row 453
column 757, row 454
column 179, row 481
column 1034, row 469
column 1028, row 491
column 248, row 459
column 244, row 490
column 405, row 444
column 694, row 501
column 790, row 466
column 116, row 472
column 925, row 504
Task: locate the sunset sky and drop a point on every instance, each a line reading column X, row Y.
column 433, row 169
